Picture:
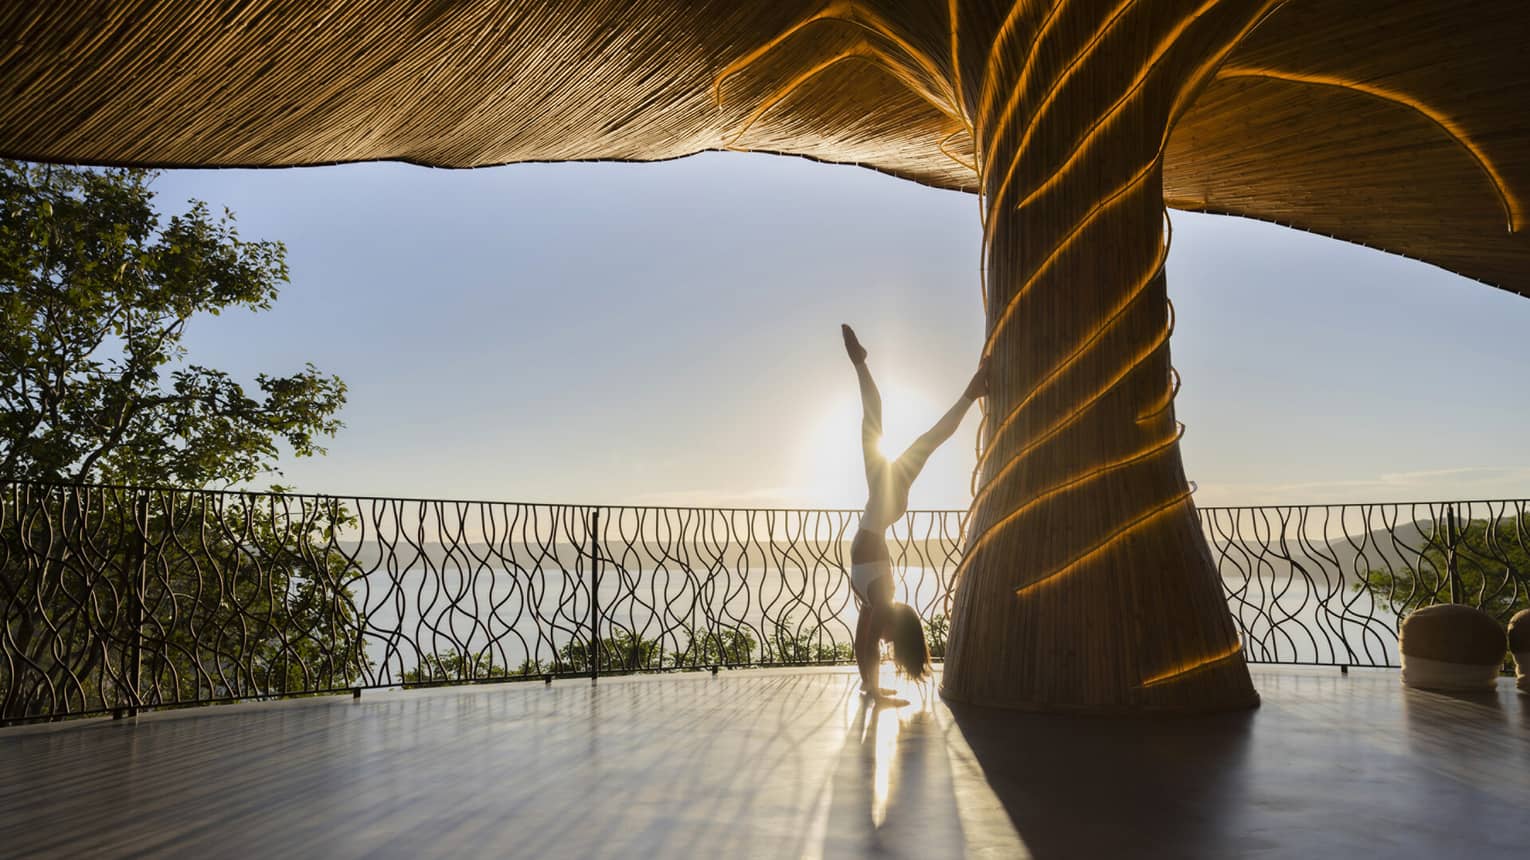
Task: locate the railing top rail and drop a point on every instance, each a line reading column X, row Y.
column 361, row 497
column 153, row 488
column 1400, row 504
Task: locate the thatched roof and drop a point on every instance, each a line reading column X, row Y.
column 1400, row 124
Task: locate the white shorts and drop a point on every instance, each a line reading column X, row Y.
column 863, row 575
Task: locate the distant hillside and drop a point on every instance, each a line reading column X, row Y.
column 1339, row 559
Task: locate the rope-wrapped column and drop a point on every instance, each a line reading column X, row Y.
column 1087, row 583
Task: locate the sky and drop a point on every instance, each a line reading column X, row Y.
column 668, row 334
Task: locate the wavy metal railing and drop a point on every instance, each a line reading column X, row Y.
column 115, row 599
column 1329, row 584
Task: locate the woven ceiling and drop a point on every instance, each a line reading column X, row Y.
column 1399, row 124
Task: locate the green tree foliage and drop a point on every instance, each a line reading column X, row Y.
column 624, row 651
column 806, row 646
column 96, row 293
column 724, row 648
column 453, row 666
column 936, row 631
column 1492, row 564
column 627, row 652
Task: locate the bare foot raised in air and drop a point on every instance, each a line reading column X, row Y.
column 853, row 345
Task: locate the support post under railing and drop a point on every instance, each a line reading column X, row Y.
column 594, row 651
column 1450, row 554
column 138, row 585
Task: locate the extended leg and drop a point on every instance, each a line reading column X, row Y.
column 871, row 410
column 871, row 426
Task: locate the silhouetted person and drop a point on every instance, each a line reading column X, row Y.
column 887, row 484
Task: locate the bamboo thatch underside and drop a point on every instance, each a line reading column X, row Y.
column 1400, row 124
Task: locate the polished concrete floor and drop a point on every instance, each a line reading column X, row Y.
column 778, row 764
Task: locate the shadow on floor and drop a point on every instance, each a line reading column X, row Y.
column 1115, row 787
column 891, row 793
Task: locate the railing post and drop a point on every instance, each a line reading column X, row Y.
column 1451, row 536
column 594, row 652
column 137, row 574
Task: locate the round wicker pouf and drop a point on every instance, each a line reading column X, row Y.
column 1451, row 647
column 1519, row 643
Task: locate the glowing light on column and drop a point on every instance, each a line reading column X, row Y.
column 1090, row 338
column 1192, row 666
column 991, row 65
column 1154, row 409
column 1047, row 98
column 1067, row 419
column 1072, row 357
column 1025, row 68
column 1071, row 483
column 1192, row 87
column 1092, row 133
column 1511, row 204
column 1142, row 175
column 1079, row 561
column 1094, row 213
column 1174, row 112
column 960, row 97
column 1168, row 399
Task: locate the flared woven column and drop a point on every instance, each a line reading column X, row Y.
column 1087, row 583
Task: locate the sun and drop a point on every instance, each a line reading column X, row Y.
column 832, row 470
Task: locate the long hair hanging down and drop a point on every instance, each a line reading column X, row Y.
column 910, row 653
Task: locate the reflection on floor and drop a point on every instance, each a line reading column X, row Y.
column 779, row 764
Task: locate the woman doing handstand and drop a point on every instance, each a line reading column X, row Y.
column 887, row 485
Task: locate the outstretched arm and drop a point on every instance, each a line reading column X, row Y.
column 913, row 459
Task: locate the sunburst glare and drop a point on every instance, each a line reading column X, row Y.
column 831, row 445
